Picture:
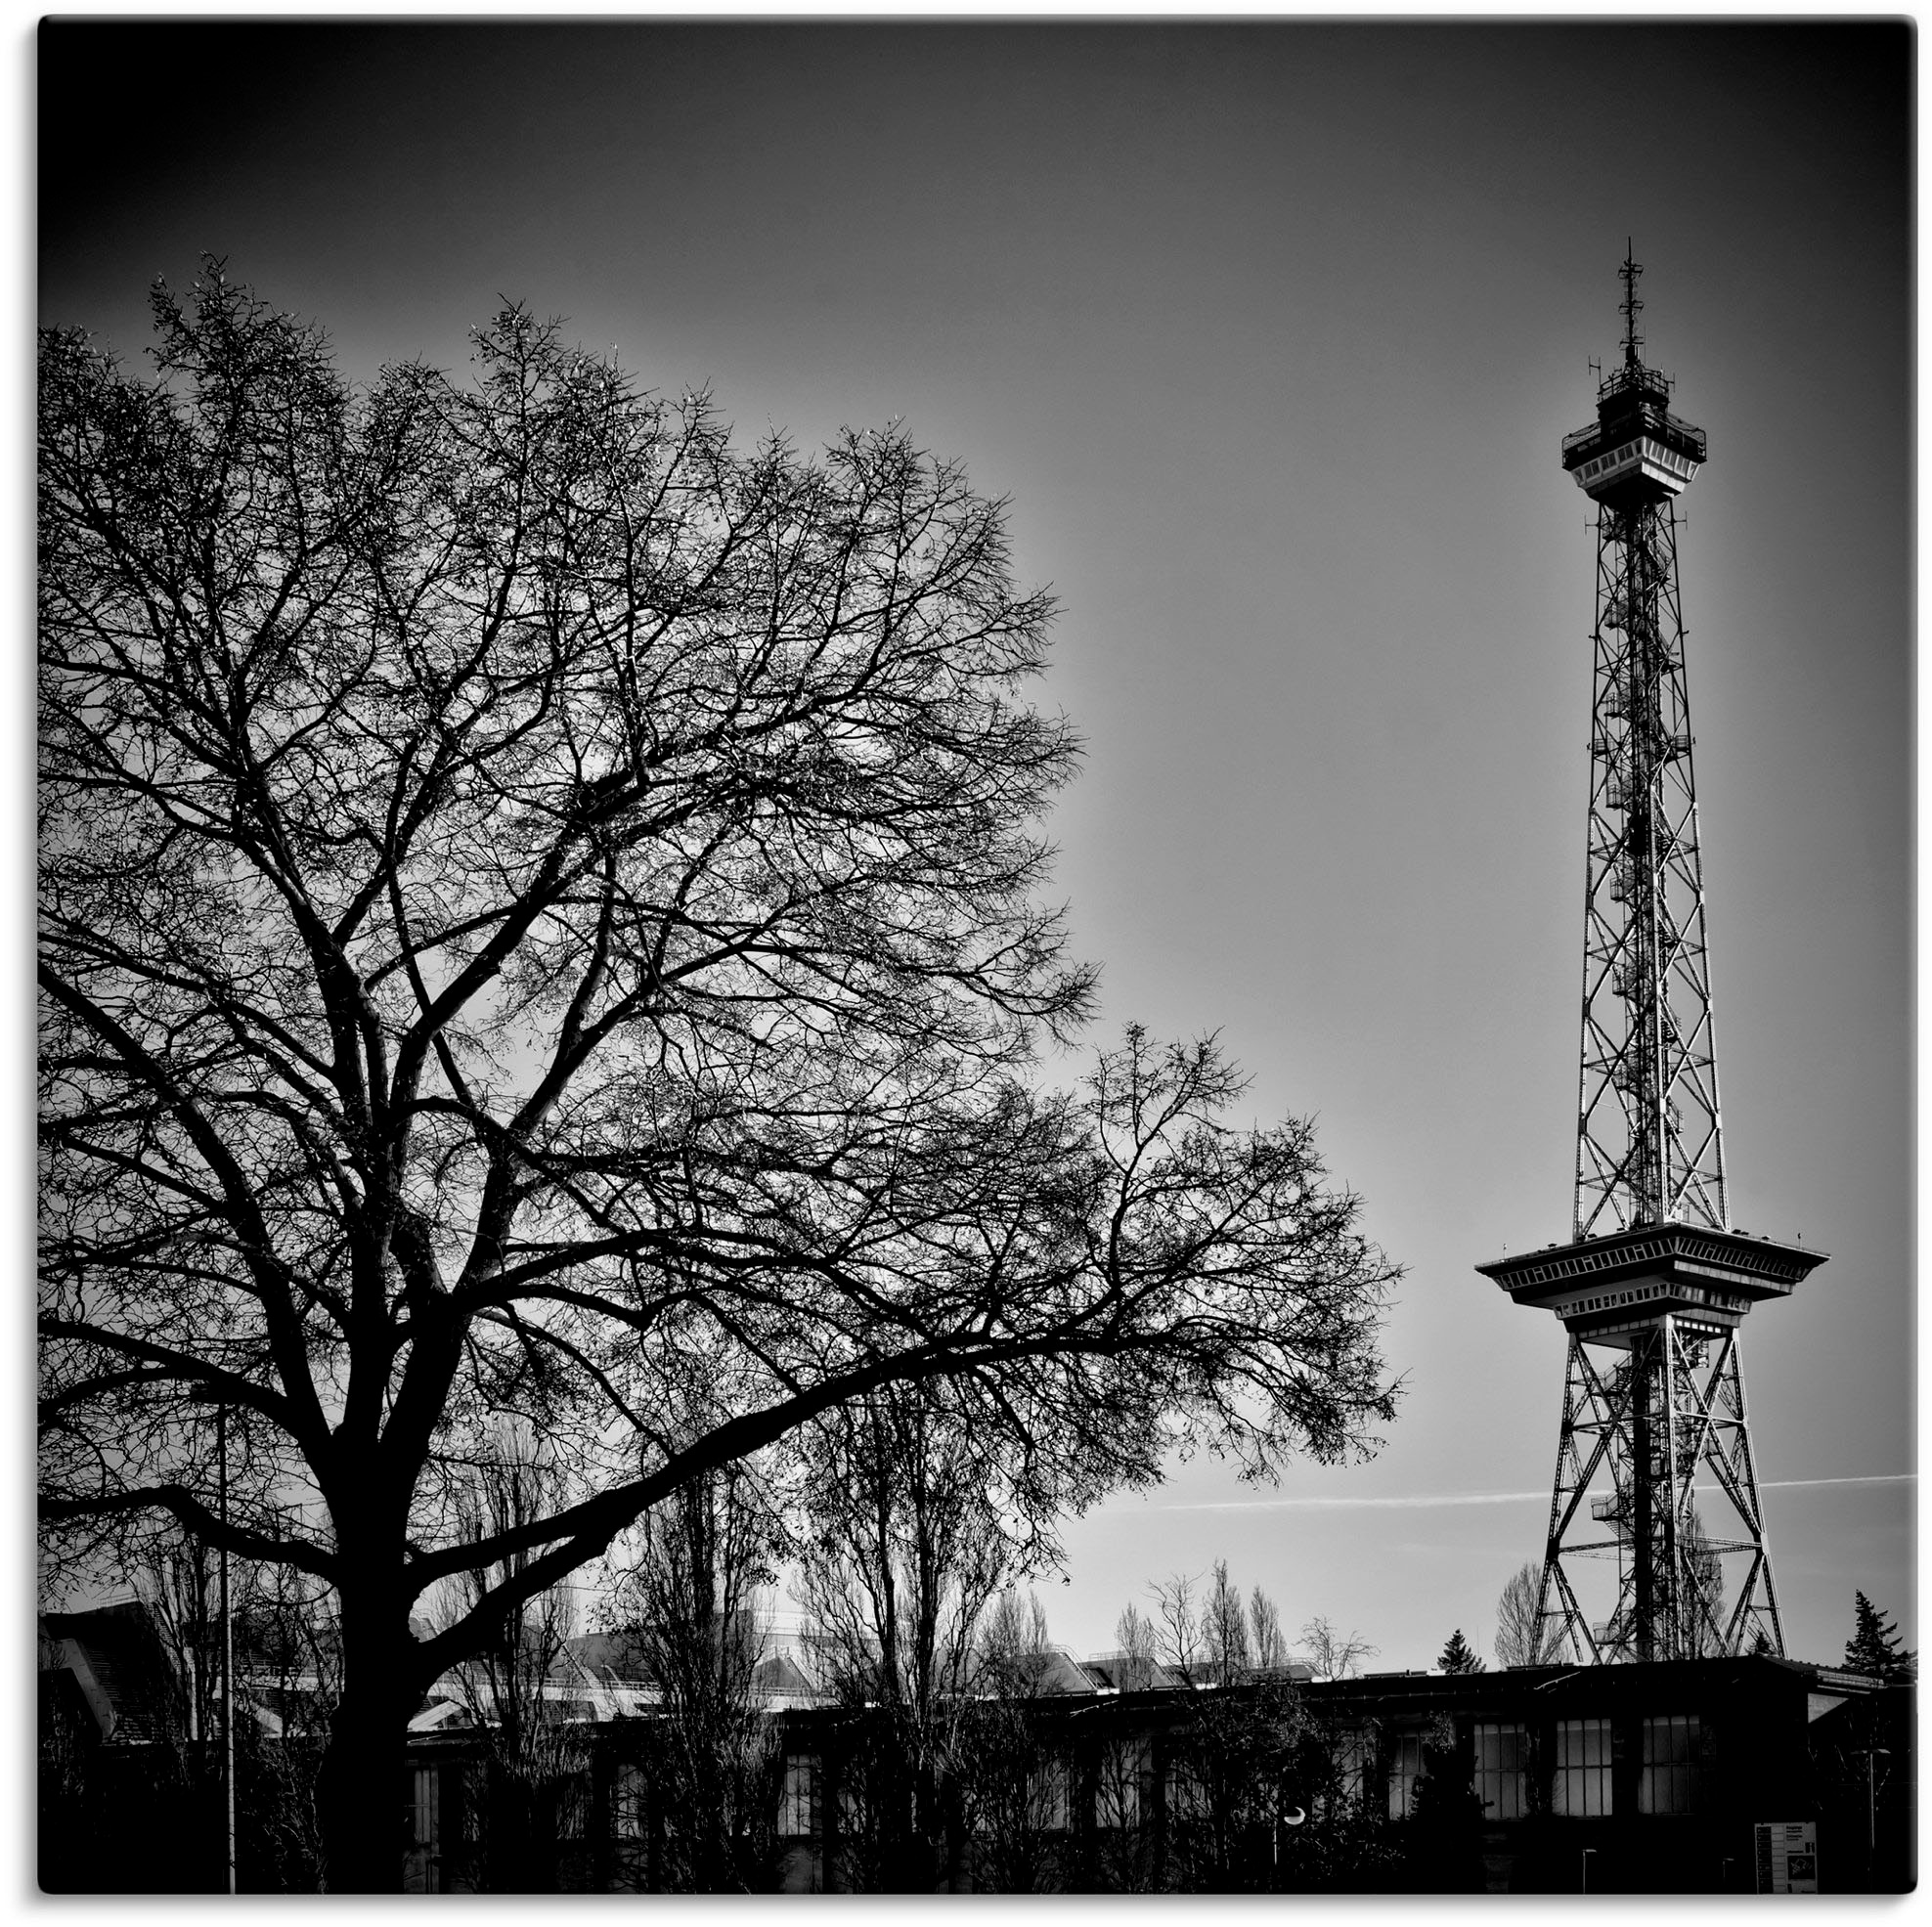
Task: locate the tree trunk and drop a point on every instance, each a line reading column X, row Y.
column 361, row 1791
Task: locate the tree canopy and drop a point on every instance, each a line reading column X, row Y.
column 540, row 929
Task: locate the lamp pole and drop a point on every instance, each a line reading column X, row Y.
column 227, row 1640
column 1871, row 1758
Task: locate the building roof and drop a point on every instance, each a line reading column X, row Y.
column 117, row 1661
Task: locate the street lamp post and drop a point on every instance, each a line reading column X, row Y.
column 1873, row 1755
column 227, row 1640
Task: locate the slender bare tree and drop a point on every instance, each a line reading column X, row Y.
column 913, row 1531
column 1223, row 1629
column 515, row 1686
column 1264, row 1622
column 1139, row 1643
column 1016, row 1792
column 699, row 1627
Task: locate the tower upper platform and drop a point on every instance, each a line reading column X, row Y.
column 1636, row 451
column 1608, row 1290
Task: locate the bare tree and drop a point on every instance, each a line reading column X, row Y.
column 1333, row 1653
column 283, row 1688
column 700, row 1631
column 1524, row 1637
column 1264, row 1623
column 1224, row 1628
column 514, row 1686
column 1231, row 1752
column 1138, row 1642
column 177, row 1584
column 1178, row 1627
column 531, row 899
column 912, row 1533
column 1016, row 1792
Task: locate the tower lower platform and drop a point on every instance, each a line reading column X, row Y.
column 1609, row 1290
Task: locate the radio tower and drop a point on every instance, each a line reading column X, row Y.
column 1655, row 1283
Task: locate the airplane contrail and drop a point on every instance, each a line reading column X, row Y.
column 1423, row 1501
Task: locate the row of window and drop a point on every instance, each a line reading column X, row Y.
column 1670, row 1782
column 1671, row 1779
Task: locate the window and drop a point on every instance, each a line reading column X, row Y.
column 1351, row 1754
column 1187, row 1792
column 627, row 1801
column 1501, row 1755
column 1673, row 1767
column 1405, row 1768
column 1053, row 1794
column 795, row 1801
column 421, row 1873
column 573, row 1806
column 424, row 1802
column 1126, row 1771
column 1582, row 1783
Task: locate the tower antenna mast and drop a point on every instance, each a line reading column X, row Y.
column 1631, row 307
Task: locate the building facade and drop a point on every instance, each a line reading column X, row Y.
column 1637, row 1778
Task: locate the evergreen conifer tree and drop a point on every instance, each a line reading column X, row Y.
column 1459, row 1656
column 1874, row 1647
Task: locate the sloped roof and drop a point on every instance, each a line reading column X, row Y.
column 116, row 1659
column 1123, row 1672
column 613, row 1656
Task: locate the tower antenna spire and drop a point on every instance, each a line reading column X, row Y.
column 1632, row 306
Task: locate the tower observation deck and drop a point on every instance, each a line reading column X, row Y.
column 1655, row 1281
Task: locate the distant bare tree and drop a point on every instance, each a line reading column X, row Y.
column 1177, row 1626
column 1523, row 1638
column 513, row 1688
column 1138, row 1641
column 1333, row 1653
column 283, row 1688
column 1231, row 1752
column 177, row 1583
column 908, row 1545
column 1015, row 1793
column 1223, row 1629
column 698, row 1627
column 1269, row 1640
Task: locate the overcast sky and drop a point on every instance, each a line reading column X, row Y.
column 1270, row 333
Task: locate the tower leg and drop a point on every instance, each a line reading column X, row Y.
column 1640, row 1444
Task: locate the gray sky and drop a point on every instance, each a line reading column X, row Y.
column 1270, row 333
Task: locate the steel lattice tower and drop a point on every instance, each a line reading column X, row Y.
column 1654, row 1282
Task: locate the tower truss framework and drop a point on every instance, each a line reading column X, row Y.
column 1654, row 1470
column 1650, row 1144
